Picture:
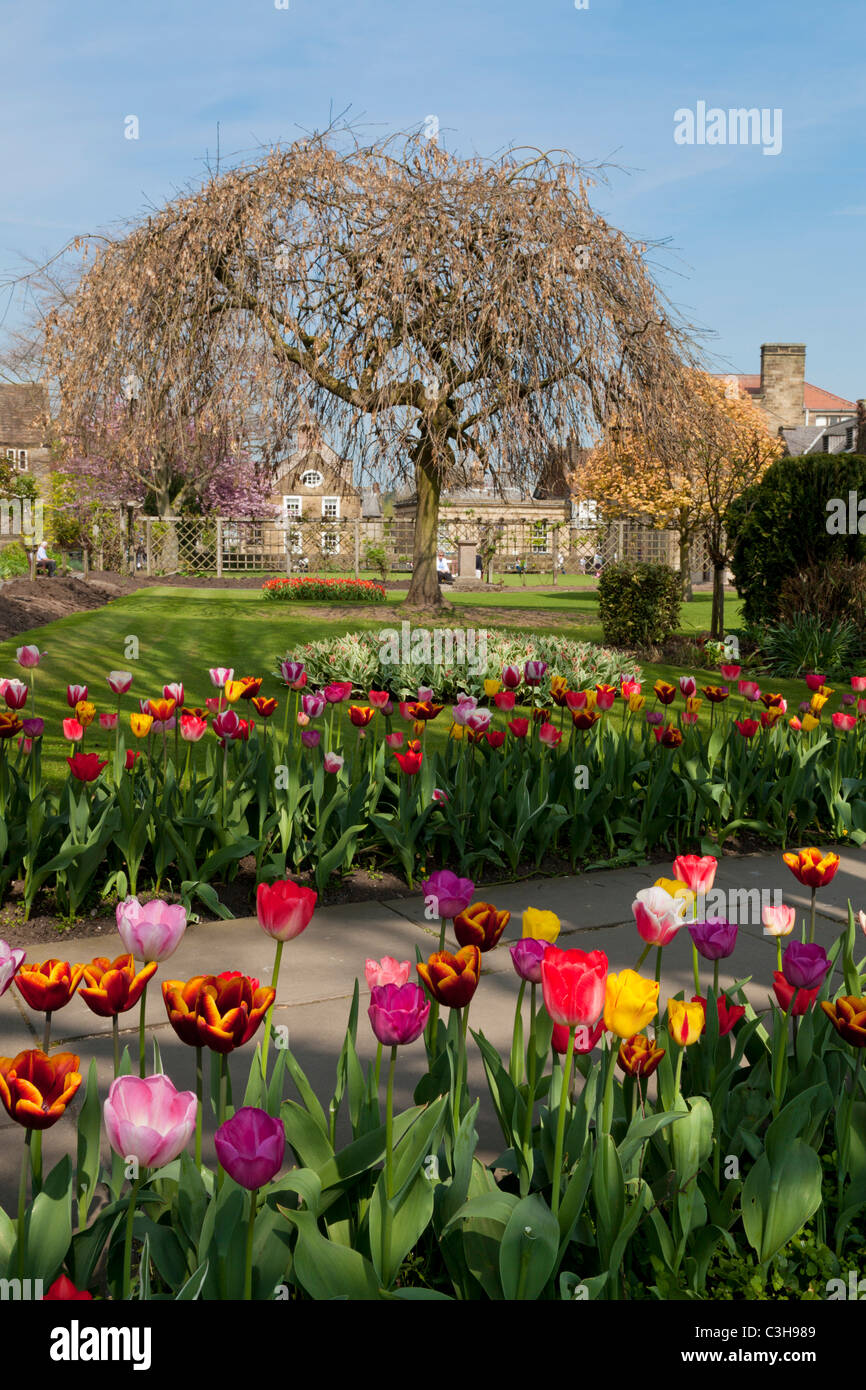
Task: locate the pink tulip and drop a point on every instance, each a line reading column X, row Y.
column 284, row 909
column 74, row 693
column 378, row 699
column 690, row 716
column 533, row 672
column 425, row 692
column 313, row 706
column 333, row 762
column 505, row 699
column 730, row 672
column 311, row 738
column 148, row 1120
column 844, row 722
column 108, row 719
column 549, row 734
column 337, row 691
column 395, row 740
column 778, row 921
column 696, row 871
column 629, row 687
column 439, row 795
column 814, row 681
column 510, row 677
column 15, row 694
column 688, row 686
column 28, row 657
column 398, row 1013
column 220, row 674
column 451, row 895
column 302, row 719
column 405, row 708
column 465, row 706
column 173, row 692
column 119, row 681
column 386, row 971
column 251, row 1147
column 150, row 931
column 478, row 719
column 657, row 915
column 10, row 961
column 72, row 730
column 3, row 686
column 858, row 683
column 226, row 725
column 192, row 728
column 291, row 671
column 26, row 745
column 750, row 690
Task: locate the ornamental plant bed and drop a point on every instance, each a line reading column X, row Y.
column 324, row 590
column 652, row 1147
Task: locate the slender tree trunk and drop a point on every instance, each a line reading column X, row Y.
column 717, row 622
column 424, row 586
column 685, row 558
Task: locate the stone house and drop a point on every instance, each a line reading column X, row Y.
column 521, row 525
column 782, row 392
column 24, row 428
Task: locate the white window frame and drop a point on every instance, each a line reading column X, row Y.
column 325, row 540
column 19, row 460
column 289, row 512
column 295, row 542
column 539, row 541
column 314, row 475
column 336, row 503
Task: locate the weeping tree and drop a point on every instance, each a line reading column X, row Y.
column 434, row 315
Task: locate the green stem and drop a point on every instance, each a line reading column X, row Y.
column 697, row 968
column 127, row 1244
column 248, row 1260
column 274, row 980
column 715, row 979
column 221, row 1108
column 607, row 1103
column 389, row 1163
column 199, row 1096
column 658, row 964
column 812, row 917
column 22, row 1202
column 115, row 1038
column 560, row 1124
column 643, row 955
column 517, row 1052
column 680, row 1055
column 530, row 1093
column 141, row 1022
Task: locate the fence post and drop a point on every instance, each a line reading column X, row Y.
column 219, row 547
column 357, row 547
column 148, row 548
column 85, row 557
column 620, row 554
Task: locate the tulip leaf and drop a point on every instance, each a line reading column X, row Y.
column 192, row 1199
column 779, row 1196
column 305, row 1090
column 608, row 1193
column 529, row 1249
column 195, row 1283
column 307, row 1185
column 574, row 1196
column 7, row 1241
column 489, row 1206
column 312, row 1148
column 414, row 1295
column 272, row 1251
column 327, row 1271
column 410, row 1217
column 89, row 1125
column 49, row 1224
column 643, row 1128
column 419, row 1141
column 165, row 1249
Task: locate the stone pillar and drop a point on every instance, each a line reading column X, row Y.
column 219, row 547
column 466, row 552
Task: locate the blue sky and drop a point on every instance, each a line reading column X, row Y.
column 763, row 248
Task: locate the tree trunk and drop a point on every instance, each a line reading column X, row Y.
column 686, row 561
column 424, row 586
column 717, row 622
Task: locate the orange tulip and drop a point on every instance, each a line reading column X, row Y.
column 264, row 706
column 811, row 868
column 452, row 979
column 848, row 1017
column 161, row 709
column 221, row 1012
column 141, row 724
column 639, row 1056
column 112, row 987
column 361, row 715
column 480, row 925
column 36, row 1089
column 49, row 986
column 251, row 686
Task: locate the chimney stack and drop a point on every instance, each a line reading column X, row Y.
column 783, row 378
column 860, row 444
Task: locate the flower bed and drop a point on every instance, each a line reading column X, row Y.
column 687, row 1164
column 324, row 590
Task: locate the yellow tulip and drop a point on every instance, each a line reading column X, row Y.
column 636, row 702
column 233, row 690
column 140, row 724
column 541, row 925
column 810, row 723
column 631, row 1001
column 492, row 688
column 818, row 701
column 457, row 731
column 85, row 713
column 693, row 704
column 558, row 685
column 591, row 699
column 685, row 1021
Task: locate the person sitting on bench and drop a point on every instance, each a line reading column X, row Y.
column 443, row 571
column 44, row 565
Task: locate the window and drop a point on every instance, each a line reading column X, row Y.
column 18, row 459
column 820, row 419
column 292, row 506
column 312, row 478
column 330, row 508
column 539, row 540
column 255, row 536
column 296, row 544
column 330, row 543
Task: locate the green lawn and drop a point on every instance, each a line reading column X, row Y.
column 180, row 633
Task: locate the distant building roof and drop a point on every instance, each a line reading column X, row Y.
column 840, row 438
column 814, row 397
column 23, row 413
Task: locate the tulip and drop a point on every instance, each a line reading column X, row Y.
column 148, row 1119
column 558, row 690
column 688, row 686
column 604, row 696
column 805, row 966
column 140, row 724
column 533, row 672
column 770, row 718
column 576, row 699
column 49, row 986
column 668, row 737
column 585, row 718
column 108, row 719
column 395, row 740
column 491, row 688
column 686, row 1022
column 778, row 921
column 10, row 963
column 803, row 999
column 63, row 1290
column 251, row 1146
column 810, row 723
column 378, row 698
column 715, row 693
column 714, row 940
column 291, row 671
column 541, row 924
column 585, row 1038
column 505, row 699
column 398, row 1012
column 226, row 724
column 658, row 916
column 220, row 1012
column 519, row 727
column 28, row 657
column 251, row 686
column 150, row 931
column 10, row 725
column 446, row 894
column 573, row 985
column 817, row 702
column 33, row 728
column 747, row 727
column 452, row 979
column 438, row 795
column 86, row 767
column 665, row 692
column 795, row 724
column 119, row 681
column 655, row 718
column 284, row 910
column 337, row 691
column 814, row 871
column 313, row 705
column 480, row 925
column 750, row 690
column 527, row 955
column 630, row 1003
column 74, row 694
column 729, row 1014
column 162, row 710
column 110, row 987
column 192, row 729
column 730, row 672
column 628, row 687
column 636, row 703
column 264, row 706
column 35, row 1089
column 73, row 732
column 219, row 675
column 848, row 1017
column 844, row 722
column 131, row 759
column 495, row 737
column 233, row 690
column 478, row 720
column 360, row 715
column 333, row 762
column 549, row 735
column 386, row 971
column 311, row 738
column 697, row 871
column 814, row 681
column 639, row 1056
column 511, row 677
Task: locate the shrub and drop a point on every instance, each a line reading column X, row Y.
column 778, row 528
column 639, row 604
column 13, row 561
column 376, row 559
column 325, row 590
column 833, row 592
column 807, row 642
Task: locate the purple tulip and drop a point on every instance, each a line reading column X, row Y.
column 398, row 1013
column 451, row 895
column 10, row 960
column 33, row 728
column 313, row 705
column 533, row 672
column 150, row 931
column 804, row 966
column 655, row 717
column 251, row 1147
column 714, row 940
column 311, row 738
column 527, row 955
column 147, row 1119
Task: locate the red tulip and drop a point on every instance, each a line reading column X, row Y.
column 86, row 766
column 505, row 699
column 747, row 727
column 519, row 727
column 63, row 1290
column 495, row 737
column 785, row 993
column 411, row 761
column 284, row 909
column 573, row 983
column 585, row 1038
